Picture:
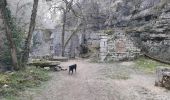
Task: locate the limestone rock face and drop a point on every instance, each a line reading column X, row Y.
column 145, row 22
column 150, row 28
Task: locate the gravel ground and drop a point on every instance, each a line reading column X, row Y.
column 96, row 81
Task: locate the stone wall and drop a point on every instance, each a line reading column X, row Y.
column 118, row 47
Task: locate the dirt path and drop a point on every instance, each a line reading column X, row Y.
column 118, row 81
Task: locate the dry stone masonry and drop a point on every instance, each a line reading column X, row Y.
column 117, row 47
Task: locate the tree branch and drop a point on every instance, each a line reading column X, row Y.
column 72, row 34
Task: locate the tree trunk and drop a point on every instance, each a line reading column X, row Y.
column 12, row 48
column 9, row 36
column 63, row 34
column 26, row 51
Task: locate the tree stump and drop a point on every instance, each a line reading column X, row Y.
column 163, row 77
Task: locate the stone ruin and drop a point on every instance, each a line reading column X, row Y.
column 117, row 47
column 114, row 47
column 48, row 43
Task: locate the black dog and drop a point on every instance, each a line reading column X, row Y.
column 72, row 67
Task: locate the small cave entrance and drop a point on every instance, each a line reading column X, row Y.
column 139, row 19
column 148, row 18
column 158, row 38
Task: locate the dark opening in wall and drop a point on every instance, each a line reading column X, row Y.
column 167, row 11
column 158, row 38
column 155, row 17
column 139, row 19
column 148, row 18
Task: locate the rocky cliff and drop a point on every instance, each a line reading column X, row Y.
column 145, row 22
column 150, row 29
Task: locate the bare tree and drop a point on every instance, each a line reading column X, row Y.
column 26, row 51
column 66, row 10
column 9, row 37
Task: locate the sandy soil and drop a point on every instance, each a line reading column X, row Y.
column 96, row 81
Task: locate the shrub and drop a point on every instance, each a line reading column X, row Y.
column 13, row 83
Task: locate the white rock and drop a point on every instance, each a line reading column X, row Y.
column 5, row 86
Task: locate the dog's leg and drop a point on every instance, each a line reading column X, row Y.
column 69, row 70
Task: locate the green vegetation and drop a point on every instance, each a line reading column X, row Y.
column 17, row 35
column 12, row 84
column 148, row 65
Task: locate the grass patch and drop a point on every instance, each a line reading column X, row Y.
column 148, row 65
column 12, row 84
